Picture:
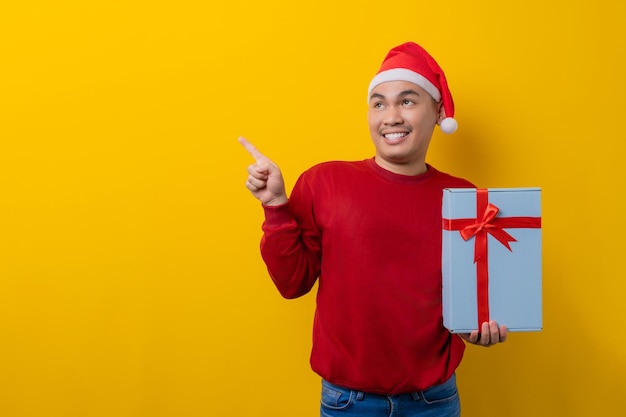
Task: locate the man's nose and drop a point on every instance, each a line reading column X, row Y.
column 393, row 116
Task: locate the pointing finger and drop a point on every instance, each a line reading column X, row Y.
column 251, row 149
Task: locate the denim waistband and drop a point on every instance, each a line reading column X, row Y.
column 415, row 395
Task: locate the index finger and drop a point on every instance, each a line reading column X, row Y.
column 250, row 148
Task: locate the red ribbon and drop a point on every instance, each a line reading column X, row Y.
column 479, row 227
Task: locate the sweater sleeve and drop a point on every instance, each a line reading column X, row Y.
column 290, row 245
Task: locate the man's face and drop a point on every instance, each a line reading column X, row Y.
column 401, row 117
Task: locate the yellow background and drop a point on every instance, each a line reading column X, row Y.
column 130, row 279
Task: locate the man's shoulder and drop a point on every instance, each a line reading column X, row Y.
column 451, row 181
column 336, row 168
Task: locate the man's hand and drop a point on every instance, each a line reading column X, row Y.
column 265, row 180
column 489, row 335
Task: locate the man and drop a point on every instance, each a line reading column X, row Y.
column 371, row 232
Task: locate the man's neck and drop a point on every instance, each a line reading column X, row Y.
column 409, row 169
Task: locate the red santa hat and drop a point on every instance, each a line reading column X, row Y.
column 410, row 62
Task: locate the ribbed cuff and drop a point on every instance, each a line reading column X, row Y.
column 277, row 215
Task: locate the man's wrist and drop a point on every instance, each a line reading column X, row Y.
column 278, row 201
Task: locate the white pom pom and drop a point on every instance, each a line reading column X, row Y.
column 448, row 125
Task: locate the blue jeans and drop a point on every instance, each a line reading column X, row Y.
column 437, row 401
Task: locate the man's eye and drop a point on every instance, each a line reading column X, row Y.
column 407, row 102
column 378, row 105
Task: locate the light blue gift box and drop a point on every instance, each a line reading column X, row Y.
column 514, row 276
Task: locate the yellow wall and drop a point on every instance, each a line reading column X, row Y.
column 130, row 279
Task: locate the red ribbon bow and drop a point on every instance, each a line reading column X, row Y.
column 489, row 223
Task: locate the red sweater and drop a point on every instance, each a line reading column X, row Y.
column 374, row 240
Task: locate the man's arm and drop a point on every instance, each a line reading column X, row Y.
column 292, row 256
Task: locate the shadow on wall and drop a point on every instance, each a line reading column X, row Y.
column 561, row 371
column 476, row 153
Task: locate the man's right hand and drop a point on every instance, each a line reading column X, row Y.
column 265, row 181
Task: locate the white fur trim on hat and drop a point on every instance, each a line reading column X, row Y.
column 403, row 74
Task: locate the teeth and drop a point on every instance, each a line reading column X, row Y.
column 395, row 135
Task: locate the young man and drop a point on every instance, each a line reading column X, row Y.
column 370, row 231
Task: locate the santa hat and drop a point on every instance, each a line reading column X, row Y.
column 410, row 62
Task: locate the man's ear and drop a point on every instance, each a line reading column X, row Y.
column 441, row 113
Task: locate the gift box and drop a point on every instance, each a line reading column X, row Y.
column 491, row 258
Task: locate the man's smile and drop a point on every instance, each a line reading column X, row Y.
column 395, row 136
